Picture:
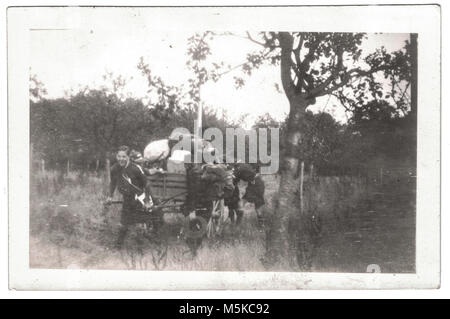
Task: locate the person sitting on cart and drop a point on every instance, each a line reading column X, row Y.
column 149, row 168
column 131, row 182
column 137, row 159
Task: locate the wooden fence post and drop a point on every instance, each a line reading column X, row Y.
column 43, row 165
column 311, row 171
column 302, row 170
column 68, row 166
column 108, row 170
column 97, row 164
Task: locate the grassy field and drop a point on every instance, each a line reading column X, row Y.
column 362, row 224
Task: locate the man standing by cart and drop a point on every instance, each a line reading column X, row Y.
column 132, row 183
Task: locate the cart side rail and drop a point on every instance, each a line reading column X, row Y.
column 169, row 185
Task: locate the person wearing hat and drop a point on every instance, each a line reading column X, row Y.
column 137, row 159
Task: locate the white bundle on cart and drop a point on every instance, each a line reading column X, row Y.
column 157, row 150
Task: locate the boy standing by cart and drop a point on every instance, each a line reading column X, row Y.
column 132, row 183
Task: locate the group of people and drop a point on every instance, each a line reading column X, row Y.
column 129, row 176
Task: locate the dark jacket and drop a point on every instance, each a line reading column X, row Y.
column 129, row 180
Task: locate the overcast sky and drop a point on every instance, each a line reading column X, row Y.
column 65, row 60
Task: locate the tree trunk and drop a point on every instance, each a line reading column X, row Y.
column 286, row 220
column 286, row 209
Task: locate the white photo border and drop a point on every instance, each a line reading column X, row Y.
column 424, row 20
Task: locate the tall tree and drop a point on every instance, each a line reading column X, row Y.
column 314, row 65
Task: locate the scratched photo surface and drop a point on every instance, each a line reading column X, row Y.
column 222, row 150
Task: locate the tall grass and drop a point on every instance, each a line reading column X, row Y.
column 69, row 227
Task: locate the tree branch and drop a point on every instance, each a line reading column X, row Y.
column 347, row 76
column 219, row 75
column 404, row 92
column 255, row 41
column 297, row 70
column 308, row 79
column 343, row 99
column 321, row 87
column 309, row 57
column 286, row 42
column 247, row 37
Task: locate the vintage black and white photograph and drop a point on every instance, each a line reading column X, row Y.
column 217, row 149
